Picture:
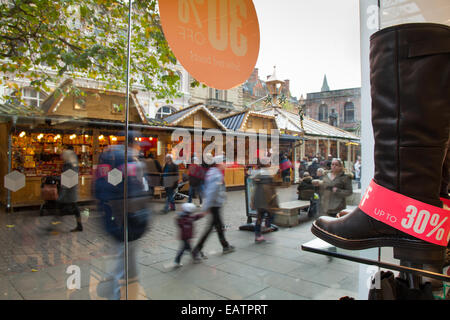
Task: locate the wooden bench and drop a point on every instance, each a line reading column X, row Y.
column 159, row 192
column 287, row 214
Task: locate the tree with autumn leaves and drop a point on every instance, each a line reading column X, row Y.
column 46, row 41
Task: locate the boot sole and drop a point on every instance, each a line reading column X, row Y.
column 411, row 250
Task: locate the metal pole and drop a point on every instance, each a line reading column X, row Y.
column 125, row 189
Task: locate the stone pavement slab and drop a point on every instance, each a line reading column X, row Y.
column 277, row 269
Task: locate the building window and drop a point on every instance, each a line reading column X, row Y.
column 349, row 112
column 180, row 85
column 30, row 97
column 218, row 94
column 164, row 112
column 323, row 112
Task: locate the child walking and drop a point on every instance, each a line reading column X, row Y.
column 185, row 222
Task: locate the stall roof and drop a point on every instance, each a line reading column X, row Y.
column 179, row 116
column 284, row 120
column 11, row 109
column 235, row 121
column 54, row 99
column 291, row 121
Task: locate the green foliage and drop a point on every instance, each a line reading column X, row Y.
column 46, row 41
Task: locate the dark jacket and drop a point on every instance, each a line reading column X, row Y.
column 170, row 175
column 264, row 194
column 109, row 190
column 196, row 175
column 185, row 222
column 312, row 169
column 331, row 202
column 69, row 195
column 305, row 189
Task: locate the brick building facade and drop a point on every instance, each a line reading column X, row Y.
column 340, row 108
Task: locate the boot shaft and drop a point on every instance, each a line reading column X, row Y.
column 445, row 174
column 410, row 90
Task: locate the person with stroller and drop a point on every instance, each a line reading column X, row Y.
column 68, row 197
column 170, row 181
column 185, row 221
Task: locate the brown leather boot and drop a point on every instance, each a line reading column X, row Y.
column 445, row 174
column 410, row 67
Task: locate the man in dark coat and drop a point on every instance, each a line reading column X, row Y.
column 264, row 200
column 68, row 196
column 312, row 169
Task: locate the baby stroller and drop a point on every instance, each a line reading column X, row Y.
column 50, row 188
column 178, row 195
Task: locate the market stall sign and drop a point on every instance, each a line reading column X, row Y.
column 216, row 41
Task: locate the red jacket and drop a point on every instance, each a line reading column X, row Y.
column 186, row 224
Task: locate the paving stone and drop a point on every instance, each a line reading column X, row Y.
column 232, row 287
column 277, row 269
column 275, row 294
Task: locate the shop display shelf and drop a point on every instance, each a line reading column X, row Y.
column 321, row 247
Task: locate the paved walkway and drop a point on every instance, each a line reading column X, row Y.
column 36, row 252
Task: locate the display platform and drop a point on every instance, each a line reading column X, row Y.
column 321, row 247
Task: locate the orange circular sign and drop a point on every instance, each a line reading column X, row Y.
column 216, row 41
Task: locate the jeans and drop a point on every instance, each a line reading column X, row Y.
column 195, row 190
column 259, row 219
column 170, row 201
column 185, row 245
column 215, row 222
column 119, row 272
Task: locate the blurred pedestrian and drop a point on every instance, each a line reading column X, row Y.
column 116, row 208
column 357, row 170
column 334, row 188
column 152, row 172
column 327, row 164
column 214, row 197
column 305, row 189
column 320, row 173
column 285, row 167
column 196, row 174
column 170, row 182
column 264, row 199
column 312, row 169
column 68, row 196
column 185, row 221
column 303, row 166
